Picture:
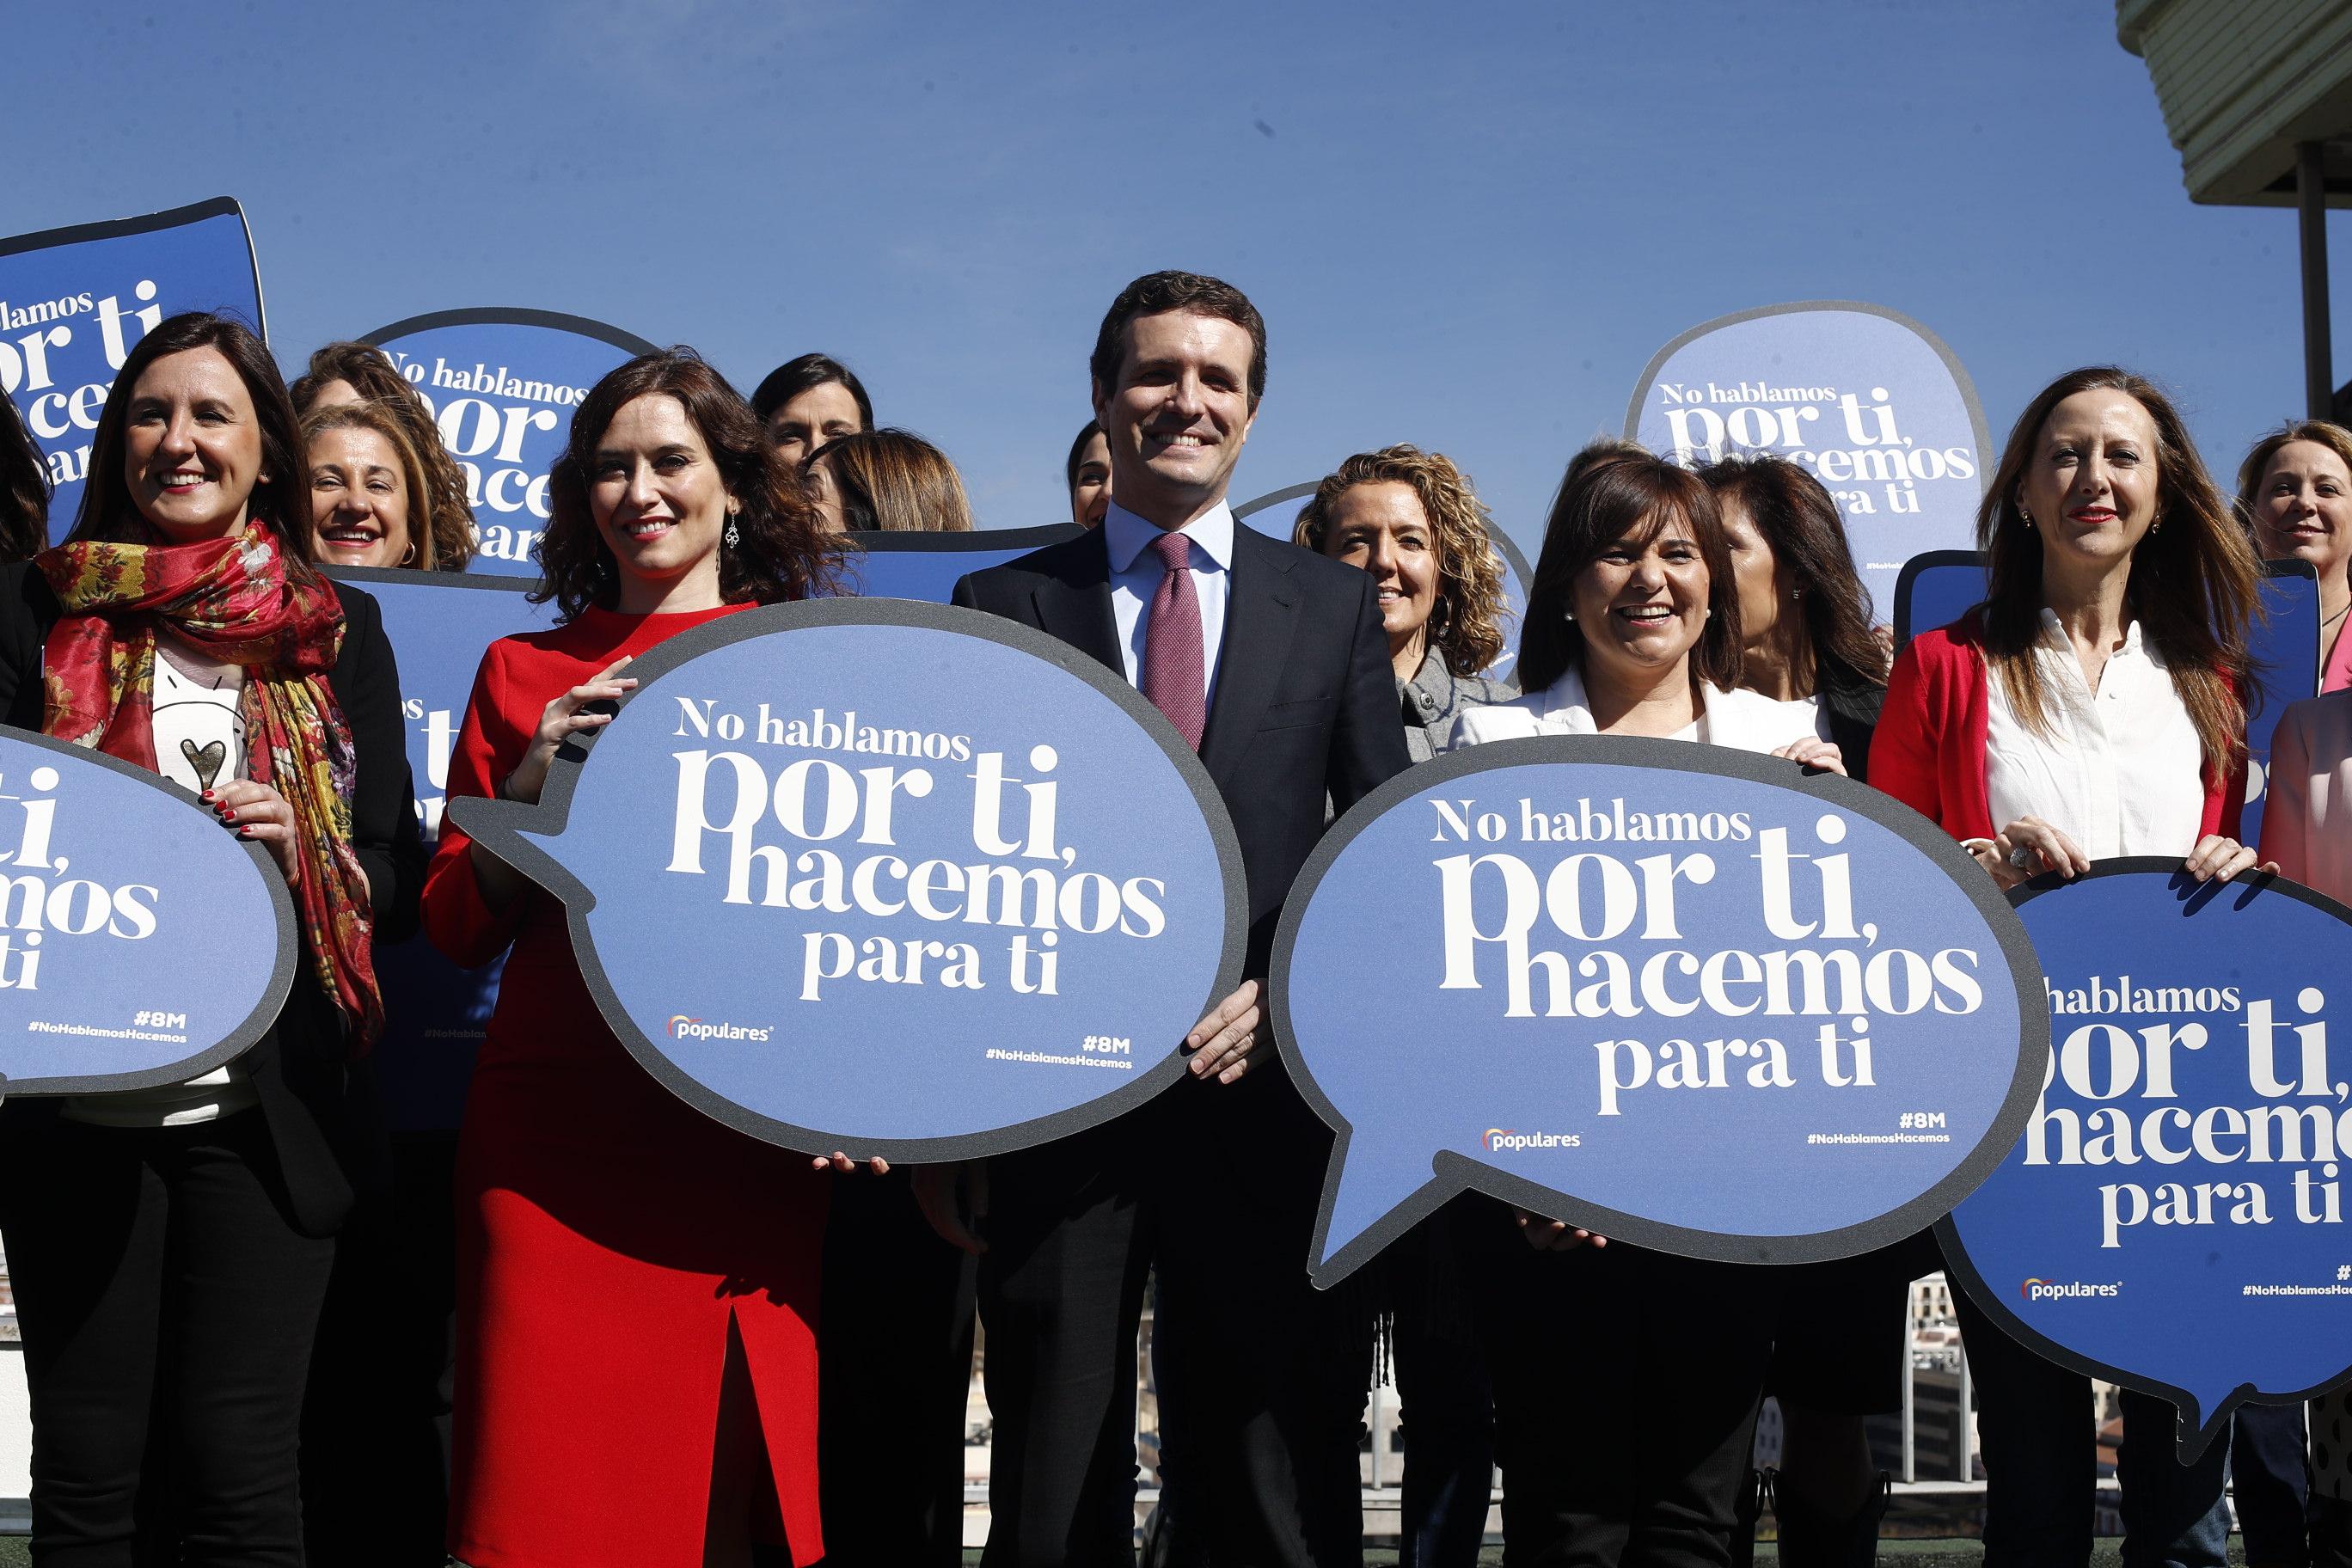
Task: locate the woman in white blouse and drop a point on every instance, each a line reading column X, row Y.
column 2088, row 709
column 1634, row 1448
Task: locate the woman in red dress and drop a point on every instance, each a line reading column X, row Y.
column 637, row 1285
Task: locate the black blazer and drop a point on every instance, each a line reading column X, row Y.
column 1852, row 702
column 320, row 1111
column 1306, row 698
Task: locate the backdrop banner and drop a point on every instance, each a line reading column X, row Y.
column 2173, row 1219
column 116, row 888
column 926, row 566
column 438, row 623
column 896, row 878
column 1940, row 586
column 1871, row 402
column 1688, row 996
column 75, row 301
column 502, row 384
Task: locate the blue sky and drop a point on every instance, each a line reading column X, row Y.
column 1469, row 228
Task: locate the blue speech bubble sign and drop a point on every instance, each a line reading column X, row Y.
column 1682, row 994
column 1875, row 404
column 502, row 383
column 75, row 301
column 139, row 943
column 893, row 878
column 2172, row 1218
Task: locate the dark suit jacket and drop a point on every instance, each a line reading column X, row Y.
column 321, row 1110
column 1306, row 698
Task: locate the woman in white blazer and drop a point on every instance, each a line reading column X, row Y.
column 1625, row 1396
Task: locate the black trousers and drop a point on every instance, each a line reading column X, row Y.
column 377, row 1421
column 1263, row 1375
column 163, row 1289
column 1626, row 1386
column 894, row 1347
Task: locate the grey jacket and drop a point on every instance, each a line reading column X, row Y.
column 1435, row 696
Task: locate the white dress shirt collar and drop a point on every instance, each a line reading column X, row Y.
column 1126, row 536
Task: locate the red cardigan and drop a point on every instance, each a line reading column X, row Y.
column 1929, row 752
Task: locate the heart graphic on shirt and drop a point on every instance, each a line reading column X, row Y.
column 206, row 760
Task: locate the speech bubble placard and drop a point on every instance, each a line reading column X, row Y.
column 1875, row 404
column 75, row 301
column 438, row 622
column 2284, row 643
column 1686, row 996
column 2173, row 1219
column 141, row 943
column 893, row 878
column 502, row 383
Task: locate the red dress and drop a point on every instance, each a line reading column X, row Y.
column 609, row 1235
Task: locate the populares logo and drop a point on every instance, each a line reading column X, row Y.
column 682, row 1027
column 1496, row 1140
column 2055, row 1289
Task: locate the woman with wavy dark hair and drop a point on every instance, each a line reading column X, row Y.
column 2091, row 707
column 360, row 373
column 637, row 1286
column 171, row 1246
column 25, row 489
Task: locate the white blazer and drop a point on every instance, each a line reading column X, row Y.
column 2307, row 804
column 1742, row 720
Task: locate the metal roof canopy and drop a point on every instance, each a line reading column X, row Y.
column 2257, row 94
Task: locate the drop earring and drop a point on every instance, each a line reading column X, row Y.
column 733, row 536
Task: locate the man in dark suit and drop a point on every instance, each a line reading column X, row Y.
column 1271, row 661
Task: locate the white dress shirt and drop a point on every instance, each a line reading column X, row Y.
column 1742, row 720
column 2307, row 805
column 2120, row 771
column 1136, row 574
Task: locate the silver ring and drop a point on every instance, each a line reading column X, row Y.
column 2021, row 858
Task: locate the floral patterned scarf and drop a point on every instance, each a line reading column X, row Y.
column 230, row 600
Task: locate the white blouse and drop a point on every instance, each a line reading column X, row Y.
column 199, row 742
column 2120, row 771
column 1742, row 720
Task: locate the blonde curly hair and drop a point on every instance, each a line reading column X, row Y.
column 1466, row 623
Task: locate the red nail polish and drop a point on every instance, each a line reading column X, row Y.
column 208, row 794
column 245, row 833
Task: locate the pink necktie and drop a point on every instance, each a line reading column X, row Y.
column 1172, row 677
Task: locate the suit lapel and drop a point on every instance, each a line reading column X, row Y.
column 1075, row 605
column 1261, row 608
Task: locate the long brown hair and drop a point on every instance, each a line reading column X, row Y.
column 782, row 550
column 281, row 502
column 1466, row 626
column 1602, row 500
column 369, row 372
column 1799, row 520
column 2194, row 578
column 894, row 482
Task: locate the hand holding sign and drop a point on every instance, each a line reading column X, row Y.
column 1687, row 996
column 140, row 945
column 894, row 878
column 2173, row 1218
